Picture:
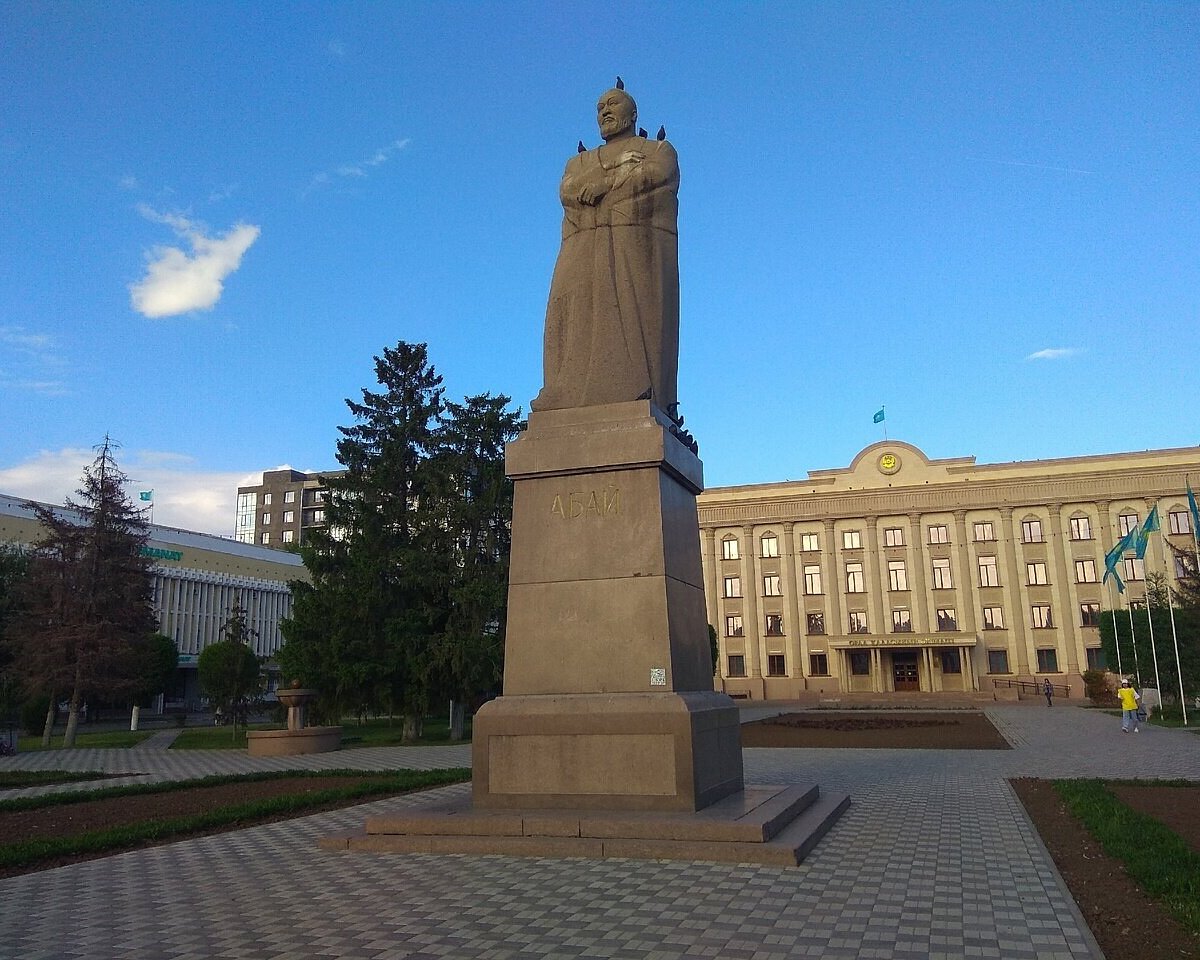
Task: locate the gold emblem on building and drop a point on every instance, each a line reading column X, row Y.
column 889, row 463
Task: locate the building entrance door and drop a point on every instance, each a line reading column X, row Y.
column 904, row 671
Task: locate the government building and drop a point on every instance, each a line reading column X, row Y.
column 197, row 577
column 902, row 573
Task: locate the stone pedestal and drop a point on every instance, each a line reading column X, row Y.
column 608, row 697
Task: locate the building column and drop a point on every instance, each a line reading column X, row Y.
column 791, row 598
column 964, row 654
column 1069, row 621
column 1018, row 645
column 920, row 598
column 751, row 626
column 712, row 582
column 872, row 578
column 970, row 619
column 833, row 587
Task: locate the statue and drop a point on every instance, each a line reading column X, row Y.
column 612, row 322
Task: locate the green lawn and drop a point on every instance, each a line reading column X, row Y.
column 107, row 738
column 1154, row 857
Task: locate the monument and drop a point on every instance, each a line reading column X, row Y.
column 609, row 738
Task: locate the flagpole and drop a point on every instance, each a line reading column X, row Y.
column 1137, row 664
column 1112, row 608
column 1174, row 635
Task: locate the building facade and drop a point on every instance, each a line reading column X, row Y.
column 197, row 577
column 901, row 573
column 279, row 511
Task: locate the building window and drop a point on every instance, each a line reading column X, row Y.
column 289, row 496
column 946, row 619
column 893, row 537
column 852, row 539
column 854, row 577
column 1127, row 522
column 1041, row 616
column 266, row 538
column 858, row 622
column 939, row 533
column 729, row 549
column 776, row 665
column 812, row 579
column 897, row 575
column 733, row 586
column 1185, row 566
column 1036, row 573
column 1081, row 528
column 1047, row 659
column 1095, row 658
column 1135, row 569
column 288, row 536
column 818, row 665
column 860, row 663
column 770, row 545
column 266, row 519
column 816, row 624
column 266, row 499
column 1085, row 571
column 733, row 625
column 951, row 661
column 901, row 621
column 810, row 541
column 989, row 574
column 1089, row 614
column 289, row 516
column 1181, row 521
column 774, row 625
column 1031, row 531
column 315, row 516
column 984, row 533
column 737, row 665
column 1137, row 604
column 993, row 618
column 941, row 574
column 772, row 585
column 997, row 661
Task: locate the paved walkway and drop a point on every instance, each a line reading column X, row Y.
column 934, row 859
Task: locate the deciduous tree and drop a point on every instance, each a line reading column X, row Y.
column 229, row 672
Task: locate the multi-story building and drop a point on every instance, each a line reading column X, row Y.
column 280, row 510
column 197, row 577
column 903, row 573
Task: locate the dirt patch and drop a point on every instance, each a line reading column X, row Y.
column 1122, row 918
column 70, row 819
column 959, row 730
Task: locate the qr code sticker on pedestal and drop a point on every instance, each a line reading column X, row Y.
column 658, row 676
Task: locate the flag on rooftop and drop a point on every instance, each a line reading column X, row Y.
column 878, row 418
column 146, row 496
column 1148, row 527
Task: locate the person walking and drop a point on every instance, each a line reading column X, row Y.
column 1130, row 699
column 1048, row 690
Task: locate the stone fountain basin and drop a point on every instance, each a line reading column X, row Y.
column 287, row 743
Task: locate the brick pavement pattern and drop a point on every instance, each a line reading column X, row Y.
column 934, row 859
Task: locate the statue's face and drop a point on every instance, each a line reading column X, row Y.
column 615, row 113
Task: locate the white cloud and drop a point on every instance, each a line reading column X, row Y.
column 184, row 496
column 357, row 169
column 177, row 282
column 1054, row 353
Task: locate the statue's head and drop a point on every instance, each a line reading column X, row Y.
column 616, row 113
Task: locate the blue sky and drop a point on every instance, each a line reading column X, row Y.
column 983, row 216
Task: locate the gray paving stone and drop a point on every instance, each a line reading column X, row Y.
column 935, row 857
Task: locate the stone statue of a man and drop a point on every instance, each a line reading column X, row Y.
column 612, row 323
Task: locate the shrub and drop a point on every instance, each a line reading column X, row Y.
column 33, row 715
column 1097, row 688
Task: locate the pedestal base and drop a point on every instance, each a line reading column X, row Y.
column 773, row 825
column 630, row 751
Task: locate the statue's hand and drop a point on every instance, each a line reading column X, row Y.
column 592, row 193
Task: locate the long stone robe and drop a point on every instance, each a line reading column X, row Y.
column 612, row 322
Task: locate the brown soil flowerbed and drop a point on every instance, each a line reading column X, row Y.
column 1125, row 921
column 70, row 819
column 959, row 730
